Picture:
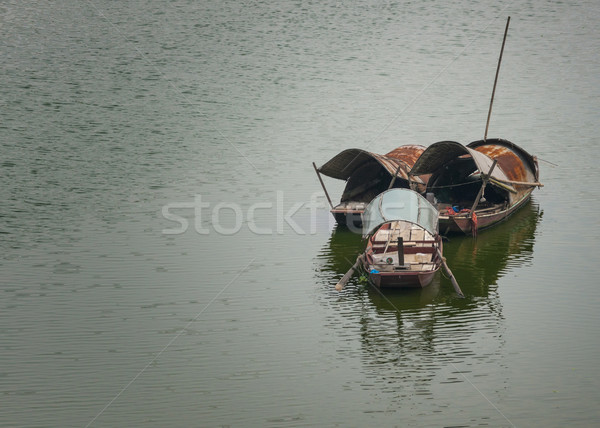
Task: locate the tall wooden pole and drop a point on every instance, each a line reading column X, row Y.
column 487, row 125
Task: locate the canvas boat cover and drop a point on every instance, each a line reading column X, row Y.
column 400, row 205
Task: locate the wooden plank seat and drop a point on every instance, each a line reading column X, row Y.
column 408, row 234
column 412, row 262
column 411, row 249
column 408, row 258
column 418, row 244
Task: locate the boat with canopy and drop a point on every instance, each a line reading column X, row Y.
column 478, row 185
column 404, row 248
column 368, row 174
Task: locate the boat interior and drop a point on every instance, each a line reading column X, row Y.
column 366, row 182
column 458, row 184
column 418, row 248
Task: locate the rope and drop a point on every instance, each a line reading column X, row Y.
column 451, row 185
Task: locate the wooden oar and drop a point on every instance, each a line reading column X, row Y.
column 348, row 274
column 450, row 274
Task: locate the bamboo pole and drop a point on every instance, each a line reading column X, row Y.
column 395, row 175
column 486, row 177
column 519, row 183
column 502, row 185
column 322, row 185
column 389, row 240
column 487, row 125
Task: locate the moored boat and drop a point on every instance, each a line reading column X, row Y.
column 404, row 248
column 476, row 186
column 368, row 174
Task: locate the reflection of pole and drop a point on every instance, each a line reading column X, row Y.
column 449, row 272
column 322, row 185
column 487, row 125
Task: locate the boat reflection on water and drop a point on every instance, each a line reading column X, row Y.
column 421, row 342
column 339, row 253
column 477, row 263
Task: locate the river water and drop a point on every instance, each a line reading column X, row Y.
column 167, row 258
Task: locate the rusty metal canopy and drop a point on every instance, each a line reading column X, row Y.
column 439, row 154
column 517, row 163
column 343, row 165
column 409, row 153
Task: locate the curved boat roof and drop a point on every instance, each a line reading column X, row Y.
column 515, row 172
column 343, row 165
column 439, row 154
column 517, row 163
column 400, row 205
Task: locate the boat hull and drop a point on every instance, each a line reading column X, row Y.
column 402, row 280
column 350, row 218
column 462, row 223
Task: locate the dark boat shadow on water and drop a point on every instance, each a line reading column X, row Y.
column 477, row 263
column 413, row 342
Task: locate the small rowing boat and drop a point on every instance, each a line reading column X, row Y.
column 404, row 248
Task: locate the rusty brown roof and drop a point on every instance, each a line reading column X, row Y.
column 514, row 160
column 439, row 154
column 514, row 165
column 408, row 153
column 342, row 165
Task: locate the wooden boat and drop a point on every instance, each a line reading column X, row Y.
column 368, row 174
column 478, row 185
column 404, row 248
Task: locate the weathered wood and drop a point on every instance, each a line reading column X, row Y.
column 502, row 184
column 342, row 282
column 495, row 207
column 520, row 183
column 450, row 274
column 487, row 125
column 389, row 239
column 322, row 185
